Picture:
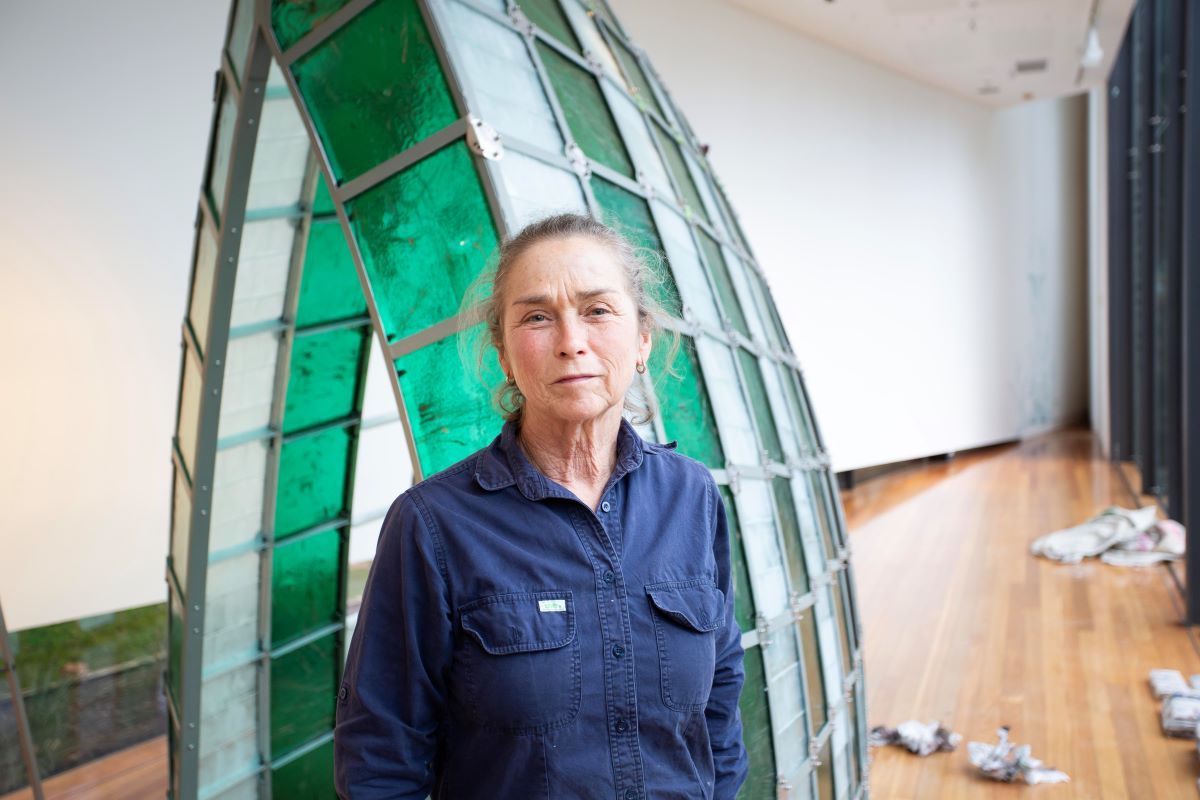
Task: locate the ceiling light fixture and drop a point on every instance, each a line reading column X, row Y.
column 1092, row 53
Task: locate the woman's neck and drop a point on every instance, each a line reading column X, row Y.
column 575, row 454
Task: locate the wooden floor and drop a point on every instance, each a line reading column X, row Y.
column 964, row 626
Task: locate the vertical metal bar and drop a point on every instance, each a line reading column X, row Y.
column 24, row 737
column 1120, row 312
column 1190, row 485
column 233, row 211
column 1143, row 258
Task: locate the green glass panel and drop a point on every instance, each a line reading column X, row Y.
column 374, row 88
column 799, row 410
column 324, row 377
column 684, row 404
column 679, row 170
column 757, row 388
column 600, row 7
column 814, row 678
column 308, row 777
column 630, row 214
column 839, row 609
column 449, row 410
column 292, row 19
column 239, row 36
column 756, row 730
column 303, row 690
column 305, row 585
column 591, row 123
column 322, row 200
column 222, row 148
column 425, row 234
column 767, row 308
column 639, row 85
column 743, row 600
column 312, row 481
column 175, row 630
column 789, row 526
column 724, row 283
column 825, row 772
column 203, row 276
column 548, row 15
column 329, row 287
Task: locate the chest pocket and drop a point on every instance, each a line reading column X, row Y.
column 520, row 661
column 686, row 616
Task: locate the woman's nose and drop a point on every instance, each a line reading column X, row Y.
column 572, row 336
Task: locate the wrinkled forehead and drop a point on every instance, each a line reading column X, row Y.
column 566, row 267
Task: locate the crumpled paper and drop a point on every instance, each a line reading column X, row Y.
column 1007, row 762
column 921, row 738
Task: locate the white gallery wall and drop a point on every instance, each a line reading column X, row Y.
column 927, row 256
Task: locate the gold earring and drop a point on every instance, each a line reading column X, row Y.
column 641, row 367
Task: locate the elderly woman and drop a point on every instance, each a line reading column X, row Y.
column 552, row 617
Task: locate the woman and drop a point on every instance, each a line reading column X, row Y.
column 552, row 617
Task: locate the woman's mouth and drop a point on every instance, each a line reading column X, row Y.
column 574, row 378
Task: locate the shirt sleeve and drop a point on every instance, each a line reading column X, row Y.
column 392, row 698
column 722, row 713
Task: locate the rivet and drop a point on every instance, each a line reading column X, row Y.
column 249, row 122
column 195, row 630
column 191, row 747
column 195, row 608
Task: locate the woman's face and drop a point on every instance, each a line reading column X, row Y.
column 570, row 327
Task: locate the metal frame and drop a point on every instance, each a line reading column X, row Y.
column 1120, row 316
column 8, row 665
column 1189, row 486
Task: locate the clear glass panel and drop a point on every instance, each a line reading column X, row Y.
column 228, row 725
column 594, row 45
column 292, row 19
column 375, row 88
column 761, row 541
column 384, row 468
column 678, row 169
column 756, row 730
column 535, row 189
column 231, row 619
column 280, row 157
column 592, row 125
column 742, row 593
column 239, row 483
column 312, row 480
column 790, row 533
column 308, row 777
column 303, row 691
column 324, row 378
column 637, row 139
column 721, row 279
column 683, row 402
column 181, row 526
column 768, row 436
column 203, row 276
column 503, row 80
column 685, row 266
column 425, row 234
column 249, row 386
column 190, row 396
column 329, row 286
column 449, row 409
column 239, row 36
column 222, row 149
column 264, row 260
column 720, row 372
column 306, row 585
column 787, row 703
column 630, row 214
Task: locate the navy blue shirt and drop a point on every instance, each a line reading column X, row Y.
column 514, row 643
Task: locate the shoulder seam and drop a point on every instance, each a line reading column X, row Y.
column 434, row 533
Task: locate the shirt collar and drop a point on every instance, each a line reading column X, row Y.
column 503, row 462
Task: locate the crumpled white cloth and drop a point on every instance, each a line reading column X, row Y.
column 1006, row 762
column 921, row 738
column 1113, row 526
column 1165, row 541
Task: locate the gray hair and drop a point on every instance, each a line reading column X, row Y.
column 484, row 302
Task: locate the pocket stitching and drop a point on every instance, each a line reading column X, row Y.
column 663, row 655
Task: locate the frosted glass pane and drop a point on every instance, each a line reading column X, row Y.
column 788, row 436
column 827, row 636
column 181, row 526
column 761, row 545
column 637, row 139
column 589, row 37
column 499, row 71
column 229, row 725
column 841, row 776
column 384, row 467
column 535, row 189
column 239, row 482
column 700, row 178
column 378, row 398
column 231, row 624
column 733, row 418
column 202, row 284
column 249, row 383
column 264, row 258
column 784, row 693
column 280, row 157
column 364, row 539
column 189, row 409
column 685, row 266
column 737, row 274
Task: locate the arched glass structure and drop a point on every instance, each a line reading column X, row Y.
column 365, row 160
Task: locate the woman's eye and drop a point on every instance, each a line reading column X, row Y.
column 535, row 318
column 601, row 309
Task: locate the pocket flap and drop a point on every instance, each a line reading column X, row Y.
column 699, row 606
column 520, row 622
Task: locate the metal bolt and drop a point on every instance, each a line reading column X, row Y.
column 195, row 630
column 191, row 747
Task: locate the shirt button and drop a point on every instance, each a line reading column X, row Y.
column 618, row 651
column 608, row 576
column 605, row 506
column 631, row 794
column 622, row 726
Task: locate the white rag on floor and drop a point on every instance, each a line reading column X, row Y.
column 1112, row 527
